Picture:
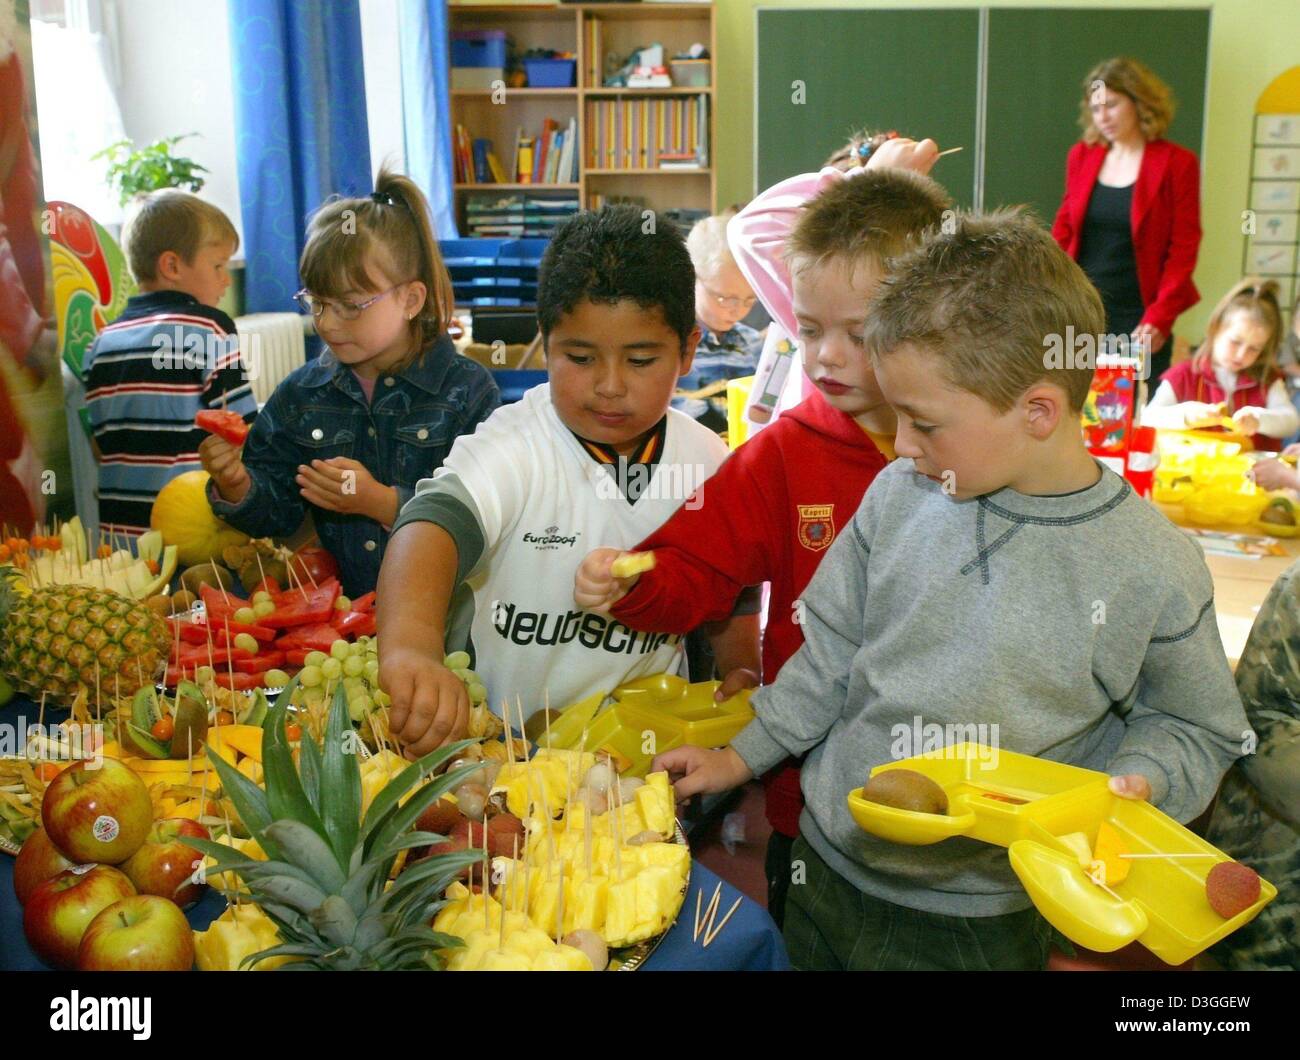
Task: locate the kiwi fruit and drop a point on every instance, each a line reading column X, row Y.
column 1279, row 513
column 906, row 789
column 160, row 605
column 213, row 575
column 182, row 600
column 191, row 728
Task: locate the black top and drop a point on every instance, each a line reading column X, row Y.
column 1106, row 256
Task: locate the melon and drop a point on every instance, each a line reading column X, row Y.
column 182, row 515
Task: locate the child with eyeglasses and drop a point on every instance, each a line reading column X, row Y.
column 347, row 436
column 728, row 349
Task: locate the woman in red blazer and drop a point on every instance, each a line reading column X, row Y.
column 1131, row 215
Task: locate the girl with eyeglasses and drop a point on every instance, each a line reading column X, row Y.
column 346, row 437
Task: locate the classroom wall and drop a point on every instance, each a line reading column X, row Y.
column 1251, row 42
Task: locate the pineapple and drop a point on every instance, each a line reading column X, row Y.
column 51, row 640
column 325, row 884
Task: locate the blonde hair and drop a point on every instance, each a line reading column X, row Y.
column 986, row 298
column 707, row 243
column 175, row 220
column 866, row 220
column 1258, row 299
column 1153, row 99
column 390, row 230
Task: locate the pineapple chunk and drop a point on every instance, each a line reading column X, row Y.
column 657, row 805
column 246, row 739
column 1079, row 846
column 238, row 932
column 251, row 768
column 562, row 959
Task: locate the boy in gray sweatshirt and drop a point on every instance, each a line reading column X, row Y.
column 994, row 576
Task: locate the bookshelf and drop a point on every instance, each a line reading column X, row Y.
column 586, row 29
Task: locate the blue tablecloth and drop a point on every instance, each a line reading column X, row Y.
column 749, row 942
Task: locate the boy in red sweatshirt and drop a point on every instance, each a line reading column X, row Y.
column 775, row 506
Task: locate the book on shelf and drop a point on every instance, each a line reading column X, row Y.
column 524, row 152
column 654, row 133
column 482, row 171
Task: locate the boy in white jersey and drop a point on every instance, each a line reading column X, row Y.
column 594, row 456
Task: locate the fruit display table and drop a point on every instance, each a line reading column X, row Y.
column 750, row 942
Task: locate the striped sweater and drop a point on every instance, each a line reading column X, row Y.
column 147, row 376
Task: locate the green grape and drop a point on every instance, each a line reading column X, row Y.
column 263, row 608
column 357, row 710
column 331, row 668
column 363, row 702
column 277, row 679
column 315, row 658
column 342, row 603
column 311, row 677
column 372, row 670
column 245, row 616
column 339, row 649
column 203, row 675
column 353, row 666
column 477, row 693
column 383, row 698
column 457, row 660
column 356, row 649
column 246, row 641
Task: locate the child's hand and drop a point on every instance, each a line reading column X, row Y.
column 1150, row 338
column 1274, row 475
column 430, row 703
column 1247, row 421
column 737, row 681
column 221, row 460
column 1131, row 786
column 342, row 485
column 594, row 586
column 902, row 153
column 700, row 770
column 1200, row 414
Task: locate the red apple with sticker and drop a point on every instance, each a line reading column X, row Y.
column 143, row 933
column 60, row 910
column 38, row 860
column 99, row 814
column 164, row 865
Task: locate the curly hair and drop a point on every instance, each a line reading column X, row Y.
column 1153, row 99
column 615, row 253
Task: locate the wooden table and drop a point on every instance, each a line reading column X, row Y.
column 1240, row 586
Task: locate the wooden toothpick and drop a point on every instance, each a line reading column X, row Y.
column 715, row 932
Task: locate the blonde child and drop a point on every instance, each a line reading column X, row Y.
column 1234, row 373
column 347, row 436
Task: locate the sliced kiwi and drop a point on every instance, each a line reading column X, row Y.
column 182, row 600
column 191, row 727
column 1279, row 513
column 145, row 713
column 145, row 743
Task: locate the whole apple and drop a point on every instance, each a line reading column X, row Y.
column 143, row 933
column 58, row 912
column 164, row 865
column 97, row 814
column 38, row 860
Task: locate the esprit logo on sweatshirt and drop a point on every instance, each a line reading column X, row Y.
column 550, row 539
column 816, row 530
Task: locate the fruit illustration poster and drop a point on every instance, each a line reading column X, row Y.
column 35, row 480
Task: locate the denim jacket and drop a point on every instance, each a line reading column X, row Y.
column 402, row 436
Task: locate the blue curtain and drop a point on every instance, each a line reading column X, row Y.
column 426, row 107
column 301, row 132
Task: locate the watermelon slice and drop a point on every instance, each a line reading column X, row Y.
column 223, row 423
column 354, row 623
column 219, row 607
column 259, row 664
column 295, row 607
column 317, row 637
column 200, row 632
column 364, row 603
column 192, row 655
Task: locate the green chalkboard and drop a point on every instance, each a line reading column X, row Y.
column 918, row 71
column 914, row 71
column 1037, row 60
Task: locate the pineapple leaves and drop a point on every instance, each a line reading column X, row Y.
column 340, row 780
column 397, row 819
column 400, row 784
column 250, row 802
column 285, row 796
column 309, row 768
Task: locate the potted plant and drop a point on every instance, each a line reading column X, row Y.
column 134, row 172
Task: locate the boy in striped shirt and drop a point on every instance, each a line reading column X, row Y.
column 169, row 355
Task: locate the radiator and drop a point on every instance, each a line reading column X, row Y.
column 273, row 346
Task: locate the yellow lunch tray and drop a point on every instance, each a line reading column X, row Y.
column 1025, row 804
column 675, row 706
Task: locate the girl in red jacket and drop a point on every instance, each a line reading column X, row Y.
column 1131, row 215
column 1234, row 373
column 771, row 511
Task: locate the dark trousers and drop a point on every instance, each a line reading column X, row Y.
column 778, row 875
column 832, row 926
